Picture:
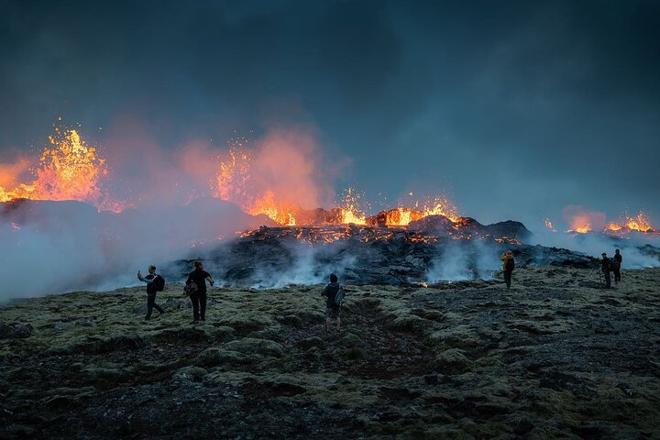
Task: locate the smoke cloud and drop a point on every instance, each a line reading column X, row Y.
column 167, row 209
column 459, row 260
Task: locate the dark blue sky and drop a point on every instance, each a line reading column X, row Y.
column 516, row 109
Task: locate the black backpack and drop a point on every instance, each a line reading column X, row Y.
column 159, row 283
column 340, row 296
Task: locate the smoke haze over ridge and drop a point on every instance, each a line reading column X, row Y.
column 515, row 109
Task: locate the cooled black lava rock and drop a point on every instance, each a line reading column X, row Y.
column 269, row 257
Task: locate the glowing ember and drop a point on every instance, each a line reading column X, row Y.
column 234, row 172
column 332, row 233
column 614, row 227
column 268, row 205
column 278, row 178
column 441, row 206
column 233, row 184
column 403, row 215
column 583, row 222
column 639, row 223
column 350, row 208
column 68, row 170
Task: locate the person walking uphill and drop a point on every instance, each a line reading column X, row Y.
column 606, row 267
column 616, row 266
column 196, row 288
column 508, row 264
column 155, row 284
column 334, row 296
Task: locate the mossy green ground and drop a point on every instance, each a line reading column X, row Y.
column 554, row 357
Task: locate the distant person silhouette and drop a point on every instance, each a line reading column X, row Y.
column 196, row 288
column 508, row 264
column 334, row 296
column 606, row 267
column 153, row 281
column 616, row 266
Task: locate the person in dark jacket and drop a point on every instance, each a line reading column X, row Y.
column 151, row 291
column 606, row 267
column 198, row 293
column 616, row 266
column 332, row 309
column 508, row 264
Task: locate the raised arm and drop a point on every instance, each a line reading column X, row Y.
column 145, row 280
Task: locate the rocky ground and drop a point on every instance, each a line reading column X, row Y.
column 278, row 256
column 554, row 357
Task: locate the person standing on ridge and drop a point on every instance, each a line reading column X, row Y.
column 155, row 283
column 508, row 264
column 616, row 266
column 196, row 288
column 606, row 267
column 334, row 296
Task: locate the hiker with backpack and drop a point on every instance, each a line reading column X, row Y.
column 508, row 264
column 196, row 289
column 155, row 284
column 334, row 297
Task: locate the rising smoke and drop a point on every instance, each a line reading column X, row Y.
column 464, row 260
column 169, row 202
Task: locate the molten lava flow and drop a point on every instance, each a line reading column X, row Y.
column 581, row 226
column 614, row 227
column 582, row 222
column 441, row 206
column 403, row 215
column 639, row 223
column 350, row 208
column 280, row 177
column 233, row 184
column 68, row 170
column 268, row 205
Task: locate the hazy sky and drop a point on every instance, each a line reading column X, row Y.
column 515, row 109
